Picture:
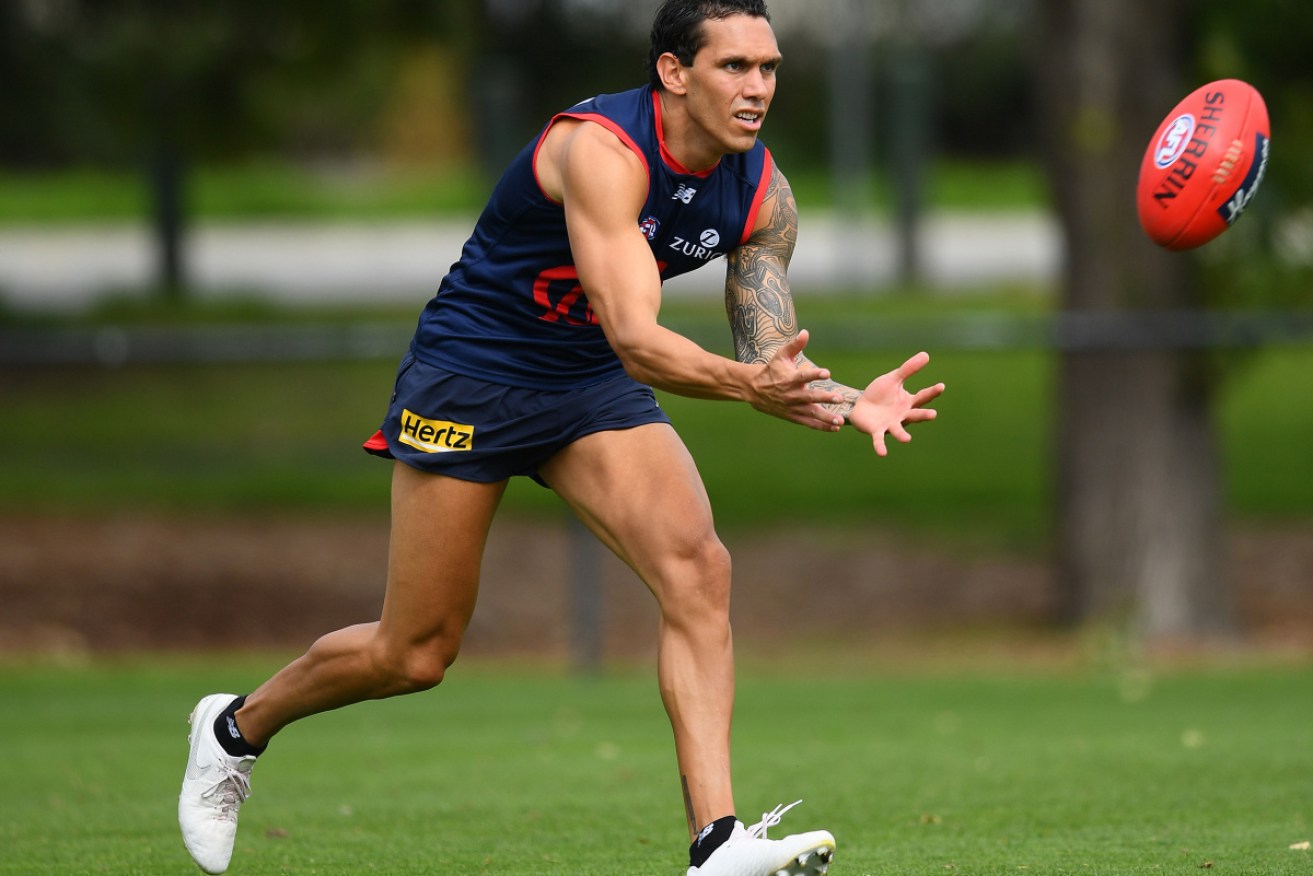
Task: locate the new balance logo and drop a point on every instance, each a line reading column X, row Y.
column 434, row 436
column 232, row 728
column 684, row 193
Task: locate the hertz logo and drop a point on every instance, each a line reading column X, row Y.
column 434, row 436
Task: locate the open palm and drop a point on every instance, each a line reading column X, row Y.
column 887, row 408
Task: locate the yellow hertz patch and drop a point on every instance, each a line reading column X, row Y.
column 434, row 436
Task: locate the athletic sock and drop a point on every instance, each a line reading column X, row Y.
column 712, row 837
column 230, row 737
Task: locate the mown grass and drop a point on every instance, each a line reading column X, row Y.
column 514, row 771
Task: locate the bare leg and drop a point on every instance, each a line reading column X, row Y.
column 640, row 491
column 439, row 528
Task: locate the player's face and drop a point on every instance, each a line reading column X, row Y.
column 732, row 81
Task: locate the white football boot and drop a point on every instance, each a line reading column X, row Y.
column 748, row 852
column 213, row 789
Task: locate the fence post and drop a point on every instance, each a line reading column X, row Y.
column 585, row 599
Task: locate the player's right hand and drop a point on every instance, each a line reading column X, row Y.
column 781, row 389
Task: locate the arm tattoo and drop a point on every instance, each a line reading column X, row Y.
column 850, row 397
column 758, row 299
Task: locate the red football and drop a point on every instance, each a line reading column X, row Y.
column 1204, row 165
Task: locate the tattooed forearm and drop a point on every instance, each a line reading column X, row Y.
column 758, row 300
column 757, row 297
column 850, row 396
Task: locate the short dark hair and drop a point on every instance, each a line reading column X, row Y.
column 677, row 28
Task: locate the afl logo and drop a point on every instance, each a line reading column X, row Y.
column 1173, row 141
column 649, row 227
column 710, row 238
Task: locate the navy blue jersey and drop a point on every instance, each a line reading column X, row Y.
column 511, row 310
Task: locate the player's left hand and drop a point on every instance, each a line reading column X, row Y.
column 887, row 408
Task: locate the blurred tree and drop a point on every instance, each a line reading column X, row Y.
column 1266, row 261
column 1266, row 42
column 165, row 84
column 910, row 102
column 422, row 121
column 297, row 80
column 541, row 56
column 1138, row 476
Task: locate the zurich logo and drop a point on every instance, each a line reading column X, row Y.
column 710, row 237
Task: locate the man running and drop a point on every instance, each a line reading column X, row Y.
column 538, row 357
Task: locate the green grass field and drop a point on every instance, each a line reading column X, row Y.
column 512, row 771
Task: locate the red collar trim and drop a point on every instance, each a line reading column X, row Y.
column 670, row 160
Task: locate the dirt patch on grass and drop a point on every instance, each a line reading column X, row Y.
column 148, row 583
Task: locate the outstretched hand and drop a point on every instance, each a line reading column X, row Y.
column 887, row 408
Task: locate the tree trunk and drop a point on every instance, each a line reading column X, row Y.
column 1138, row 499
column 166, row 181
column 168, row 220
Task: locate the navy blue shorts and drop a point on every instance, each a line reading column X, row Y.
column 478, row 431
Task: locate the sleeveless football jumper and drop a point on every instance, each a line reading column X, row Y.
column 512, row 313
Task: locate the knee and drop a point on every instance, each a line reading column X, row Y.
column 697, row 588
column 413, row 668
column 717, row 570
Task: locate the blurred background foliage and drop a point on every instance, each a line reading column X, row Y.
column 357, row 92
column 351, row 93
column 171, row 113
column 96, row 81
column 343, row 107
column 410, row 83
column 392, row 108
